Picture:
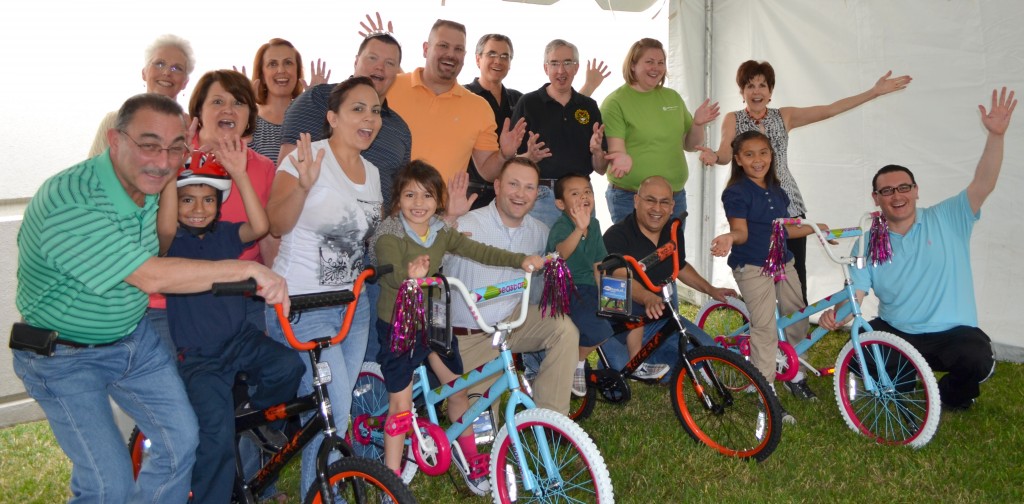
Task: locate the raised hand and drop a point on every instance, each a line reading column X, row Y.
column 535, row 150
column 193, row 129
column 372, row 28
column 597, row 139
column 318, row 74
column 705, row 113
column 511, row 139
column 597, row 71
column 458, row 203
column 419, row 267
column 302, row 159
column 708, row 156
column 230, row 152
column 887, row 83
column 580, row 215
column 242, row 71
column 997, row 119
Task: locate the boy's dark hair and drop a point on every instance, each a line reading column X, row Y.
column 737, row 175
column 890, row 169
column 560, row 183
column 418, row 171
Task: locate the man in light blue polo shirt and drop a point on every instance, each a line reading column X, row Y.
column 926, row 294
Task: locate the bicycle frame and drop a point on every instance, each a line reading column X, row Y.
column 845, row 296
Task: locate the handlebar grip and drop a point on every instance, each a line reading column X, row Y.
column 380, row 271
column 611, row 262
column 240, row 288
column 321, row 300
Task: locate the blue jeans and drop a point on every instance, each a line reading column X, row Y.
column 158, row 321
column 621, row 204
column 544, row 208
column 73, row 387
column 345, row 361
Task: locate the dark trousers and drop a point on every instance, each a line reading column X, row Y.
column 798, row 246
column 965, row 353
column 275, row 372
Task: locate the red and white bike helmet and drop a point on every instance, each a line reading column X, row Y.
column 203, row 168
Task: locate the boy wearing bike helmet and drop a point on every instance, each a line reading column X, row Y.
column 214, row 340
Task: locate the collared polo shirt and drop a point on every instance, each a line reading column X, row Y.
column 446, row 128
column 389, row 152
column 928, row 287
column 565, row 130
column 759, row 206
column 625, row 237
column 81, row 236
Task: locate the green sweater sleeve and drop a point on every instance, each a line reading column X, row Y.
column 460, row 244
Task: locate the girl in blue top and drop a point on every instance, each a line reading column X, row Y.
column 753, row 198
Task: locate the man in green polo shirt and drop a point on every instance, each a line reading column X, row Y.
column 86, row 263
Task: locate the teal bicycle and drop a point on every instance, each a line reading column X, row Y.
column 538, row 455
column 883, row 386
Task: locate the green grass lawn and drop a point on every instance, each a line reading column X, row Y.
column 976, row 456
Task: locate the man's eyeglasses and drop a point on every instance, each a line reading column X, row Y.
column 174, row 69
column 564, row 63
column 174, row 153
column 889, row 190
column 495, row 55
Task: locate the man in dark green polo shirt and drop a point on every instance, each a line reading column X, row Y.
column 86, row 263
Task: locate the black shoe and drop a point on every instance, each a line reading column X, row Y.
column 801, row 390
column 956, row 408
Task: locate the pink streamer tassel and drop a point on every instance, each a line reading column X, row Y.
column 558, row 289
column 880, row 248
column 775, row 263
column 408, row 318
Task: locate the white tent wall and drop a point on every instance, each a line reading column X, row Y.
column 957, row 52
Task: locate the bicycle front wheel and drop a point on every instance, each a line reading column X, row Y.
column 743, row 418
column 559, row 457
column 358, row 480
column 904, row 407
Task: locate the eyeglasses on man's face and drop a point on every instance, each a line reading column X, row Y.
column 496, row 55
column 564, row 63
column 889, row 190
column 175, row 153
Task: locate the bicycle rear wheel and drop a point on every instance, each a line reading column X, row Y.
column 904, row 409
column 744, row 419
column 723, row 319
column 577, row 472
column 357, row 480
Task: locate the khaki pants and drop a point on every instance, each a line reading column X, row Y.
column 760, row 294
column 555, row 335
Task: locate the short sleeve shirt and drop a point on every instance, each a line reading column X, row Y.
column 565, row 130
column 590, row 250
column 625, row 237
column 759, row 207
column 928, row 287
column 81, row 236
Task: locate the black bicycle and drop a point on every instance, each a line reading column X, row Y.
column 720, row 399
column 350, row 479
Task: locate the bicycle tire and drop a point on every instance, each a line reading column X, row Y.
column 890, row 416
column 370, row 397
column 377, row 482
column 138, row 448
column 722, row 319
column 580, row 475
column 580, row 408
column 744, row 422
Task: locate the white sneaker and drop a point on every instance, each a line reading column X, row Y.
column 579, row 382
column 650, row 371
column 479, row 483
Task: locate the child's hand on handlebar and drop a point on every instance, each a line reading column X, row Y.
column 271, row 286
column 532, row 263
column 418, row 268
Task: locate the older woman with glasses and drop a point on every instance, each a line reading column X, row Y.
column 169, row 62
column 650, row 122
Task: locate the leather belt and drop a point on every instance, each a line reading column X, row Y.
column 547, row 182
column 76, row 344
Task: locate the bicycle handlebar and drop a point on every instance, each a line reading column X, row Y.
column 615, row 261
column 834, row 234
column 302, row 302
